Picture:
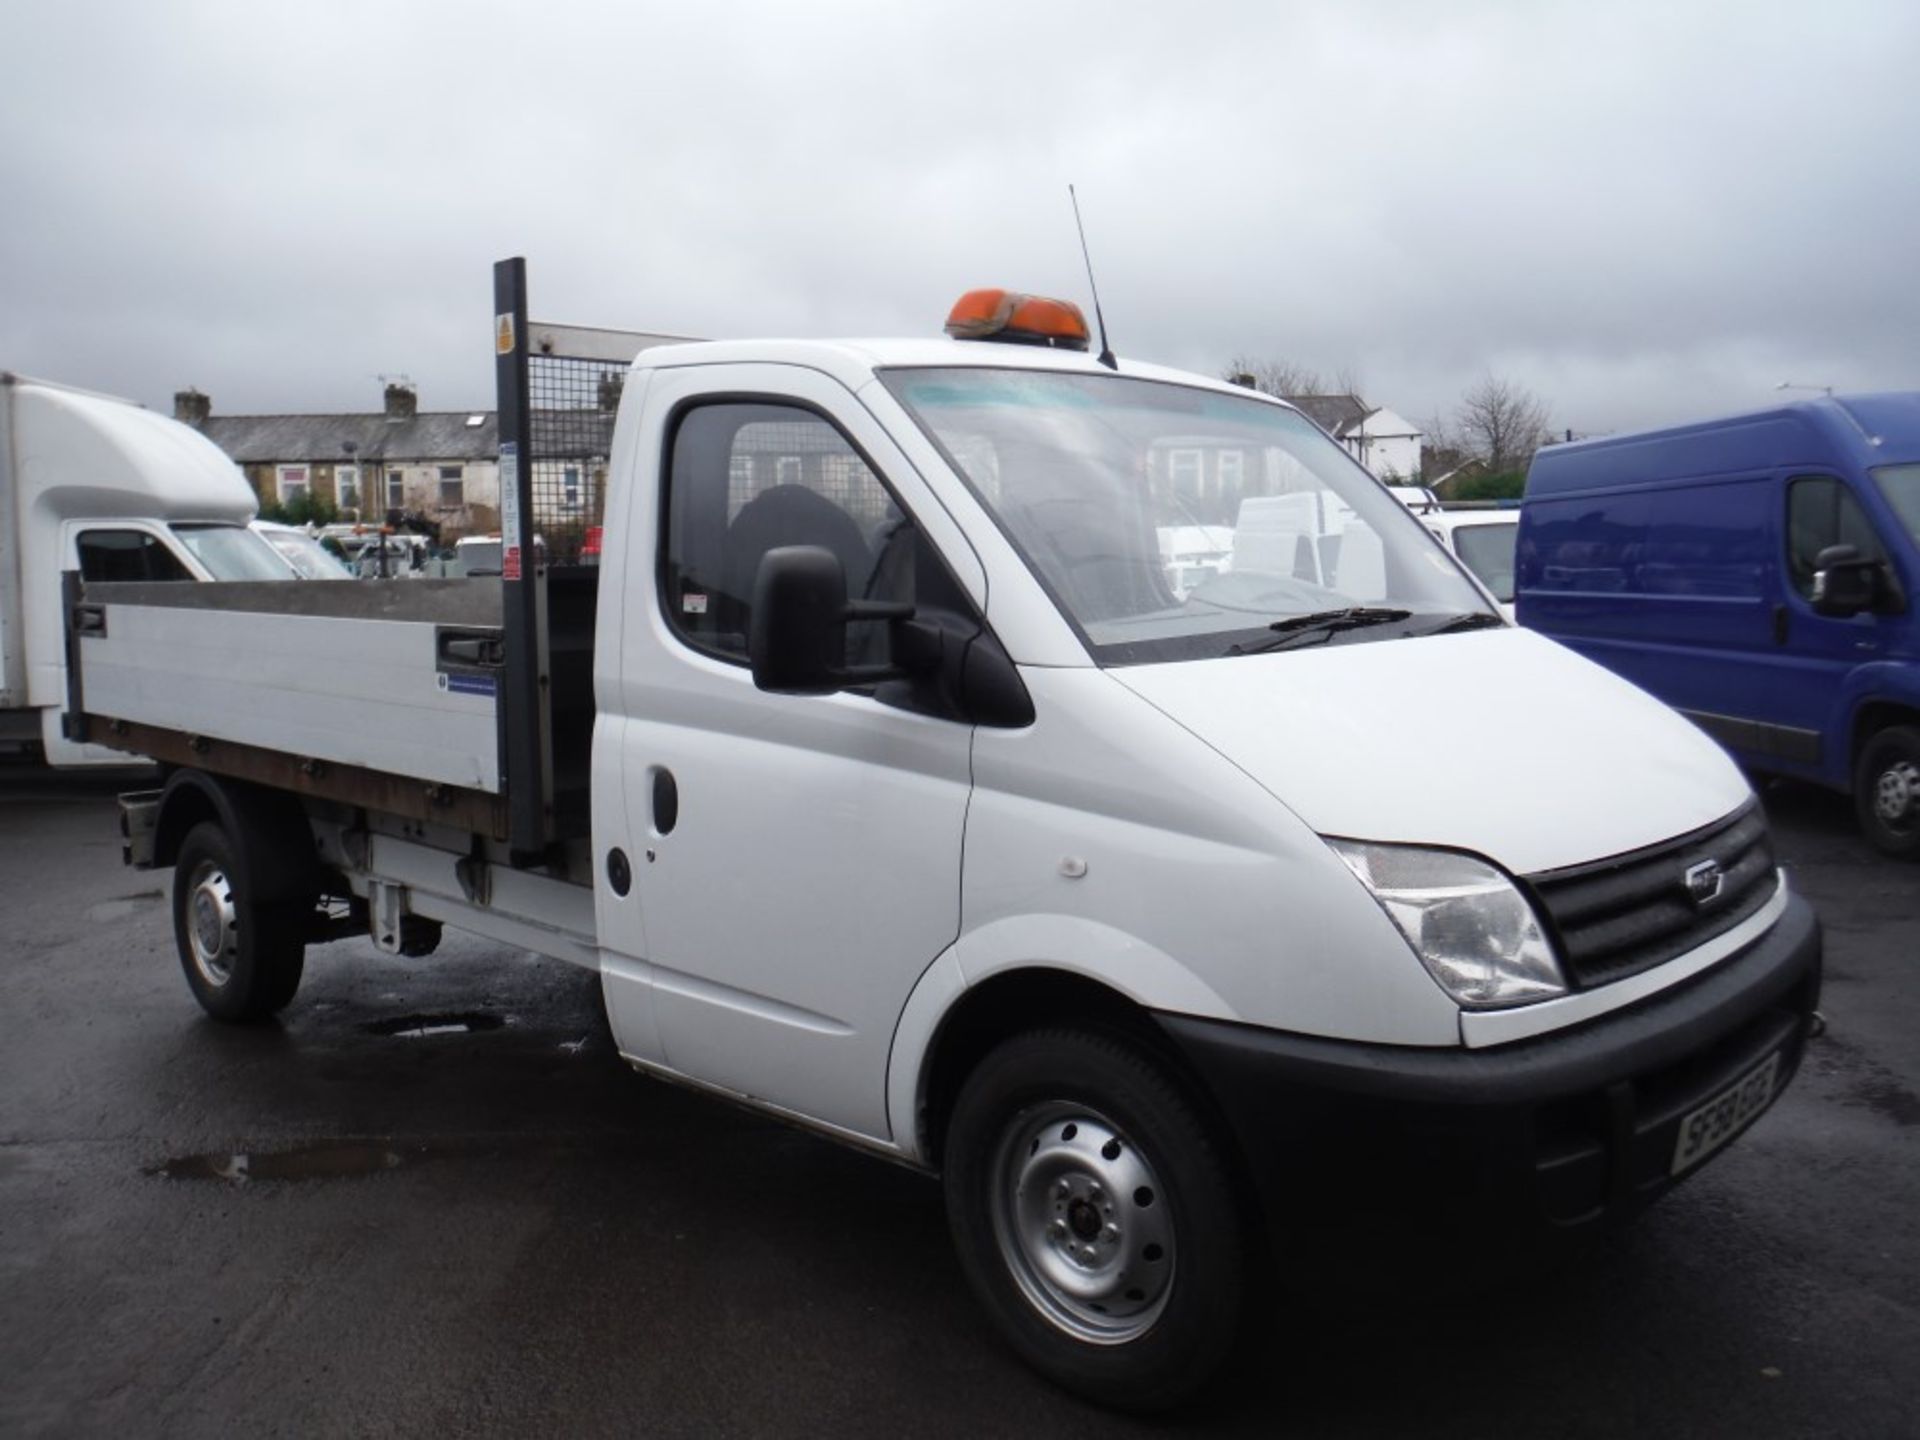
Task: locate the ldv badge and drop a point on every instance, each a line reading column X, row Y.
column 1704, row 881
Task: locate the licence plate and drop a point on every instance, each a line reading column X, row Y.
column 1713, row 1124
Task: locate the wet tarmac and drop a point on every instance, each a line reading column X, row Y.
column 432, row 1200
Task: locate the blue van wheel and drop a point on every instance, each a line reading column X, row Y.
column 1886, row 791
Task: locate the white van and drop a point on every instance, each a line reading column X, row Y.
column 889, row 784
column 1485, row 541
column 101, row 486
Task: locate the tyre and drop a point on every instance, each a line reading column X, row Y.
column 242, row 955
column 1095, row 1218
column 1886, row 791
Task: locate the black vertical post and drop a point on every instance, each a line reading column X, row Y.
column 73, row 722
column 521, row 702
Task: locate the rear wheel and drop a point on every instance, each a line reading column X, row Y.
column 1886, row 791
column 1096, row 1219
column 242, row 955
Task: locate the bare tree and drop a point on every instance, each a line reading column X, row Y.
column 1441, row 450
column 1501, row 423
column 1346, row 381
column 1275, row 377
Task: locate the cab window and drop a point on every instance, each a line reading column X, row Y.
column 747, row 478
column 1821, row 511
column 111, row 555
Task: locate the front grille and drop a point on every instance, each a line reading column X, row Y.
column 1617, row 917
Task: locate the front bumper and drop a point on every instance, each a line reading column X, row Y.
column 1562, row 1132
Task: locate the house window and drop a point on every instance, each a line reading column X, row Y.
column 786, row 470
column 292, row 481
column 1185, row 469
column 570, row 488
column 453, row 489
column 1232, row 467
column 396, row 490
column 346, row 485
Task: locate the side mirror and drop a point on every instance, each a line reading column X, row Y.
column 797, row 636
column 1844, row 582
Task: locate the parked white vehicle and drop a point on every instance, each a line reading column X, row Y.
column 905, row 798
column 101, row 486
column 1194, row 554
column 1417, row 498
column 1484, row 541
column 306, row 557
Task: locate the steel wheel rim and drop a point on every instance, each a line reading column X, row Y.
column 213, row 933
column 1896, row 791
column 1083, row 1223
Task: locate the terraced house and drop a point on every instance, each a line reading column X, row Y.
column 438, row 466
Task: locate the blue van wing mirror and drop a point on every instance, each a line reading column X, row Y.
column 1845, row 582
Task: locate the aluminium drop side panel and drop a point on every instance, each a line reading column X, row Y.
column 363, row 692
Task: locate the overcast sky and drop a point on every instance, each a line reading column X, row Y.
column 1643, row 212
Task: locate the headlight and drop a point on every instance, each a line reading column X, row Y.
column 1468, row 923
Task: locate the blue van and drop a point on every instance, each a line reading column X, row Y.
column 1761, row 575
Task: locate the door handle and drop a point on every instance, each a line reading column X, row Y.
column 1779, row 624
column 666, row 801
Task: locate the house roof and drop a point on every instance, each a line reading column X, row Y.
column 323, row 439
column 1385, row 424
column 1332, row 413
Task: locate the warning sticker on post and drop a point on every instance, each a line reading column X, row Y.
column 509, row 510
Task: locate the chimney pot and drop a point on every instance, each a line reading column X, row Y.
column 191, row 407
column 402, row 402
column 611, row 384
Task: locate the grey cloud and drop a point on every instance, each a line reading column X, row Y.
column 1642, row 212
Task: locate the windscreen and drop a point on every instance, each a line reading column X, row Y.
column 1901, row 485
column 309, row 559
column 233, row 552
column 1172, row 522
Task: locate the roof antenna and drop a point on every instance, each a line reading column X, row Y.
column 1106, row 350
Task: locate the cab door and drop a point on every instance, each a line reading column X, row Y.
column 796, row 859
column 1817, row 654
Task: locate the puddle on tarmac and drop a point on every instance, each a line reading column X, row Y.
column 327, row 1160
column 426, row 1027
column 123, row 907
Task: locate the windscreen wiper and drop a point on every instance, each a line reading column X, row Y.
column 1321, row 626
column 1473, row 620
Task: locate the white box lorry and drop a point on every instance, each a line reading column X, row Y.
column 889, row 785
column 100, row 486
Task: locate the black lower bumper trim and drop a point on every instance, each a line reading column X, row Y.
column 1559, row 1131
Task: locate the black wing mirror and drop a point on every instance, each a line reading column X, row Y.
column 797, row 636
column 1845, row 582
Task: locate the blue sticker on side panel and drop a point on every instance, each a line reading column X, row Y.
column 472, row 685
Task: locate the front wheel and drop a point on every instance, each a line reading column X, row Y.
column 1095, row 1218
column 242, row 956
column 1886, row 791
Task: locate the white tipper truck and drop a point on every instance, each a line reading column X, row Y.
column 105, row 488
column 888, row 784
